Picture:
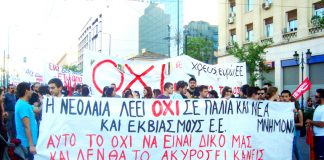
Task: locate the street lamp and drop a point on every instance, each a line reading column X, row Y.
column 302, row 62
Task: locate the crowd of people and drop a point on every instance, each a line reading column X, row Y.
column 21, row 107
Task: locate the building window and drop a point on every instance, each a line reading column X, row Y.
column 232, row 8
column 292, row 20
column 249, row 32
column 249, row 5
column 233, row 36
column 268, row 27
column 319, row 9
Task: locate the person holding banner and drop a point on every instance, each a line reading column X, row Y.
column 147, row 93
column 203, row 92
column 168, row 90
column 227, row 92
column 193, row 90
column 181, row 90
column 318, row 125
column 298, row 116
column 55, row 87
column 26, row 125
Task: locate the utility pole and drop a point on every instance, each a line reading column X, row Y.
column 178, row 34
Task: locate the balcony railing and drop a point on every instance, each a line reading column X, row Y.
column 314, row 30
column 287, row 36
column 268, row 40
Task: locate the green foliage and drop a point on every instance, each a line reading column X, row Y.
column 199, row 48
column 253, row 55
column 73, row 68
column 318, row 21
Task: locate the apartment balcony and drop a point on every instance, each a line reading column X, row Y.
column 267, row 40
column 289, row 35
column 314, row 30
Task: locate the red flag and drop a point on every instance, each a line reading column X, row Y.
column 302, row 88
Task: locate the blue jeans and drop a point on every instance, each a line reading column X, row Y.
column 319, row 149
column 296, row 151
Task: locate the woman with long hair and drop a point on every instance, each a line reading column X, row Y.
column 147, row 92
column 227, row 92
column 272, row 94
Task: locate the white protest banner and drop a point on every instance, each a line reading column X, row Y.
column 68, row 77
column 100, row 70
column 134, row 129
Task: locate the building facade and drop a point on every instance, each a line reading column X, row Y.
column 204, row 30
column 90, row 38
column 287, row 26
column 154, row 30
column 174, row 39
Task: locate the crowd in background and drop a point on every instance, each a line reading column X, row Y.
column 21, row 106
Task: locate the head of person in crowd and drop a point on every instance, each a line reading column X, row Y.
column 147, row 92
column 55, row 87
column 78, row 88
column 110, row 92
column 113, row 85
column 262, row 92
column 128, row 94
column 34, row 100
column 181, row 87
column 227, row 92
column 104, row 91
column 319, row 96
column 192, row 84
column 203, row 92
column 85, row 92
column 24, row 91
column 44, row 90
column 213, row 94
column 286, row 96
column 272, row 94
column 252, row 93
column 11, row 89
column 136, row 94
column 36, row 86
column 168, row 88
column 267, row 85
column 310, row 102
column 156, row 92
column 65, row 91
column 243, row 91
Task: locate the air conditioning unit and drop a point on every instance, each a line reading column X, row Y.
column 230, row 20
column 266, row 5
column 231, row 14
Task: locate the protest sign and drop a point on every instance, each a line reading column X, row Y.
column 134, row 129
column 302, row 88
column 68, row 77
column 100, row 70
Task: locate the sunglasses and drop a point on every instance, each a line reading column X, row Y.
column 260, row 93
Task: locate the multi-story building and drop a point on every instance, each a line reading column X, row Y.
column 174, row 39
column 286, row 24
column 204, row 30
column 91, row 38
column 154, row 30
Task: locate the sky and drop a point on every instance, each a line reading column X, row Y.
column 43, row 30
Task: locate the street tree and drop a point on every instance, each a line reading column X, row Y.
column 253, row 55
column 199, row 48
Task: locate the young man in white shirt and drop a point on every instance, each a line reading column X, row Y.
column 55, row 87
column 318, row 125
